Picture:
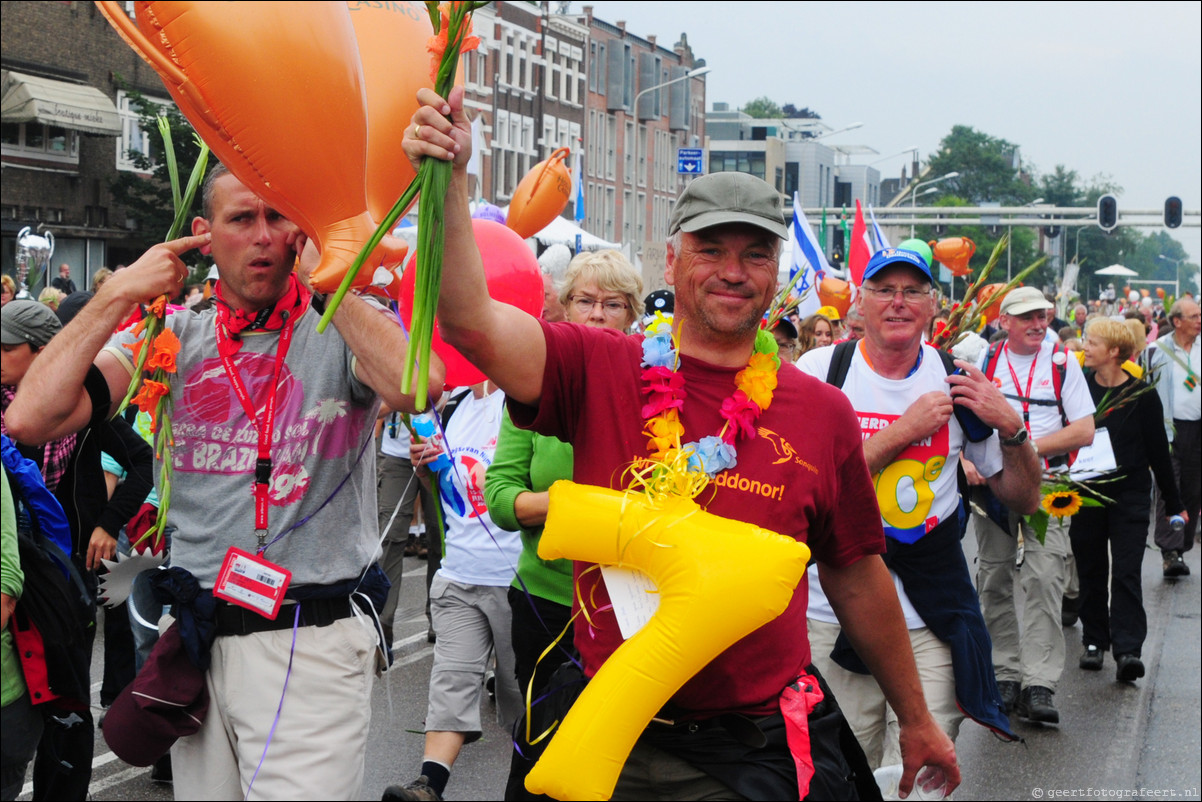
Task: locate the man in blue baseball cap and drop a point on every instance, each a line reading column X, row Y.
column 913, row 437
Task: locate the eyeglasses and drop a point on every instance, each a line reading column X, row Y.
column 584, row 305
column 786, row 346
column 911, row 295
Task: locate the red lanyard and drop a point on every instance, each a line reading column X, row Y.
column 1025, row 398
column 263, row 464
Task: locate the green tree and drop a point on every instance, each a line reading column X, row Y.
column 793, row 113
column 988, row 168
column 762, row 108
column 1061, row 188
column 147, row 198
column 1023, row 250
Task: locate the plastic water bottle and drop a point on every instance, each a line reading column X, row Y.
column 1177, row 524
column 931, row 782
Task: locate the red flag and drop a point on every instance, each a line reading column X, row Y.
column 859, row 252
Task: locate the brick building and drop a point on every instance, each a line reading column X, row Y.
column 626, row 201
column 63, row 145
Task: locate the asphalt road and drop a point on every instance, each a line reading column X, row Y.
column 1116, row 740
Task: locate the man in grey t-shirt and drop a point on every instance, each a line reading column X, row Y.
column 299, row 493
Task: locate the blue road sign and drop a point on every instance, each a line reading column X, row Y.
column 690, row 160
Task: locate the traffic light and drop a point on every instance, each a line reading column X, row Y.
column 1108, row 212
column 1172, row 212
column 1051, row 232
column 838, row 248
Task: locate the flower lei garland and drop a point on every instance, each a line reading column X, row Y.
column 665, row 388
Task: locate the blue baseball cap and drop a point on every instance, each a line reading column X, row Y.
column 896, row 256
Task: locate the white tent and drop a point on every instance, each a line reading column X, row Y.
column 564, row 232
column 1116, row 270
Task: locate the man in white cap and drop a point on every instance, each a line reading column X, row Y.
column 1048, row 389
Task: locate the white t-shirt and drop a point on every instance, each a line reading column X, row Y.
column 1015, row 372
column 918, row 490
column 478, row 552
column 394, row 439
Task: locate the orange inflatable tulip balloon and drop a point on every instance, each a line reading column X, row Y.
column 954, row 253
column 835, row 292
column 1160, row 293
column 540, row 196
column 718, row 580
column 392, row 47
column 276, row 91
column 988, row 304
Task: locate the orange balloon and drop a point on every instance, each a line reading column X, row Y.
column 540, row 196
column 1160, row 293
column 392, row 47
column 954, row 253
column 835, row 292
column 987, row 303
column 276, row 90
column 1143, row 293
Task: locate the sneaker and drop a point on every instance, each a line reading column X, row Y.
column 1091, row 658
column 1035, row 704
column 1174, row 566
column 419, row 789
column 1130, row 668
column 1069, row 610
column 1009, row 691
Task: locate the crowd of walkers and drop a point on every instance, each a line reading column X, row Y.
column 297, row 465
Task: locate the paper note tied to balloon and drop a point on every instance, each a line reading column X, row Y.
column 276, row 90
column 718, row 581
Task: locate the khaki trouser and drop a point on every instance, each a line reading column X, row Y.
column 1036, row 655
column 863, row 704
column 320, row 743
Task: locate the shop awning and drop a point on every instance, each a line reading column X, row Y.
column 33, row 99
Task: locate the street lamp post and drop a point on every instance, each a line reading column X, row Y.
column 914, row 195
column 697, row 73
column 1176, row 272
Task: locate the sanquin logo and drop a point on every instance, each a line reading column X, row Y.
column 736, row 481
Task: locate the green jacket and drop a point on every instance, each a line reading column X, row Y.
column 525, row 461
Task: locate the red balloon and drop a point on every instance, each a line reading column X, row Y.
column 513, row 277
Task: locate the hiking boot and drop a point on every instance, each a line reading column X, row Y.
column 1174, row 566
column 1035, row 704
column 1070, row 608
column 419, row 789
column 1009, row 692
column 1130, row 668
column 411, row 546
column 1091, row 658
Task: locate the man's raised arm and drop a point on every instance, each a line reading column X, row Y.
column 501, row 340
column 52, row 401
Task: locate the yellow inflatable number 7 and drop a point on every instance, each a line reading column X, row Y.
column 718, row 579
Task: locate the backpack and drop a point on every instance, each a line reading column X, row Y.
column 1059, row 369
column 55, row 618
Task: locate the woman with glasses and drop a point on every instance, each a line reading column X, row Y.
column 600, row 289
column 786, row 340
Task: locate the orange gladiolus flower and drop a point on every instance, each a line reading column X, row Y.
column 158, row 306
column 135, row 349
column 147, row 400
column 163, row 352
column 436, row 45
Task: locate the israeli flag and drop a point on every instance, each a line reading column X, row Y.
column 808, row 259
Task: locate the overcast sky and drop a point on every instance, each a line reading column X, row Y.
column 1103, row 88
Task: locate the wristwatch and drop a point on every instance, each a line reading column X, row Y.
column 1017, row 439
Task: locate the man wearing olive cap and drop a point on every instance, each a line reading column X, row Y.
column 586, row 387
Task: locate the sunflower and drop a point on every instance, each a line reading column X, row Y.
column 1062, row 503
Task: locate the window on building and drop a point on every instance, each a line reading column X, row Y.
column 51, row 143
column 134, row 139
column 611, row 144
column 628, row 160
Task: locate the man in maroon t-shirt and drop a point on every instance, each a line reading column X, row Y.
column 585, row 386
